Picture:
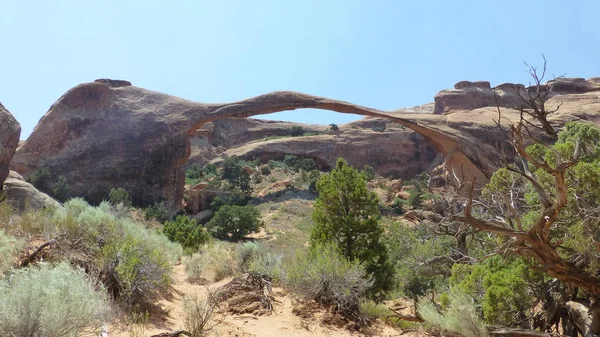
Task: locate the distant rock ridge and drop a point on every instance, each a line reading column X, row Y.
column 468, row 95
column 99, row 136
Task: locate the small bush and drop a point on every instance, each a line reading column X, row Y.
column 252, row 257
column 59, row 191
column 160, row 212
column 235, row 222
column 368, row 172
column 265, row 170
column 245, row 252
column 199, row 312
column 296, row 131
column 374, row 310
column 9, row 248
column 119, row 196
column 267, row 264
column 187, row 232
column 307, row 164
column 333, row 127
column 324, row 275
column 379, row 128
column 50, row 301
column 257, row 177
column 215, row 261
column 416, row 197
column 290, row 160
column 460, row 317
column 40, row 178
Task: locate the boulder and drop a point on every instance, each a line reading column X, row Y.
column 200, row 200
column 403, row 195
column 469, row 84
column 22, row 195
column 203, row 216
column 574, row 86
column 10, row 130
column 395, row 185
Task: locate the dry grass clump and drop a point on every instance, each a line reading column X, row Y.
column 50, row 301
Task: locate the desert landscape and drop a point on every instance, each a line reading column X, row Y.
column 299, row 168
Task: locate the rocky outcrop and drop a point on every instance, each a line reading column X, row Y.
column 98, row 136
column 22, row 195
column 208, row 142
column 397, row 153
column 575, row 85
column 473, row 95
column 10, row 130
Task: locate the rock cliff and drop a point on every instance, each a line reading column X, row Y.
column 10, row 130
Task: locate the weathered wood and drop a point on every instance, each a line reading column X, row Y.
column 173, row 334
column 33, row 255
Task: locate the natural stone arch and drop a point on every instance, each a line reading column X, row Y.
column 110, row 134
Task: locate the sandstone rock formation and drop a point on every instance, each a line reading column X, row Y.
column 398, row 153
column 10, row 130
column 101, row 135
column 208, row 142
column 22, row 195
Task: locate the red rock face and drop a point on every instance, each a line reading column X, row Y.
column 10, row 130
column 107, row 134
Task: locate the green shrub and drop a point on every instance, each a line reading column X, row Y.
column 244, row 252
column 187, row 232
column 159, row 212
column 234, row 222
column 232, row 199
column 306, row 164
column 290, row 160
column 460, row 317
column 333, row 127
column 379, row 128
column 265, row 170
column 324, row 275
column 504, row 287
column 50, row 301
column 257, row 177
column 374, row 310
column 296, row 131
column 119, row 196
column 136, row 260
column 252, row 257
column 416, row 197
column 59, row 191
column 139, row 265
column 194, row 172
column 214, row 262
column 368, row 172
column 272, row 179
column 267, row 264
column 40, row 178
column 9, row 248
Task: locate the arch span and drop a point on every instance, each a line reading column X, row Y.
column 103, row 135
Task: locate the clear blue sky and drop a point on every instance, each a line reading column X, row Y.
column 384, row 54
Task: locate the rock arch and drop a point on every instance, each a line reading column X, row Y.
column 109, row 134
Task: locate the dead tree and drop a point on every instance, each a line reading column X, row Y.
column 536, row 244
